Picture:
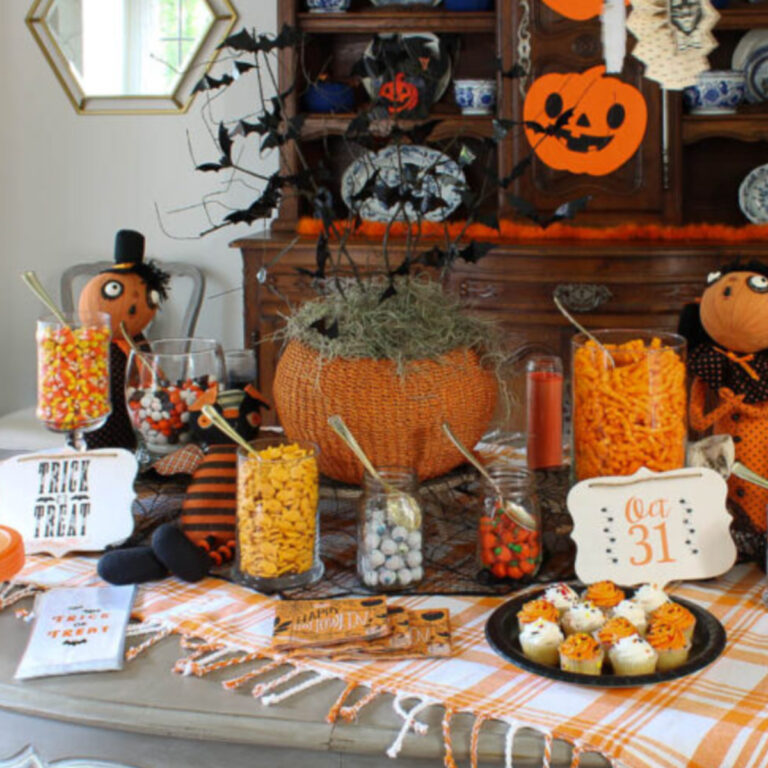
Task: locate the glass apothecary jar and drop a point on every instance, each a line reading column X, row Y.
column 629, row 403
column 389, row 534
column 507, row 549
column 277, row 515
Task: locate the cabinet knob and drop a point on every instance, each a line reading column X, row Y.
column 582, row 297
column 469, row 289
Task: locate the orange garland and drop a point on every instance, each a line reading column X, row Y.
column 514, row 232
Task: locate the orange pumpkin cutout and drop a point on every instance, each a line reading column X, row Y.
column 578, row 10
column 604, row 127
column 401, row 95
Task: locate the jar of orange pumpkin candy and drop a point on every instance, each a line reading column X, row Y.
column 277, row 515
column 629, row 402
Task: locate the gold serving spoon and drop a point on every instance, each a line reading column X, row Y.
column 32, row 281
column 220, row 422
column 403, row 508
column 512, row 510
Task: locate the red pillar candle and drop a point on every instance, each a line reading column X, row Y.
column 544, row 398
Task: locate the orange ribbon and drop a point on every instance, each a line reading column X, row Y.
column 744, row 361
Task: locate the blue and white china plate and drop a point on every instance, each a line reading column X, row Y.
column 753, row 195
column 439, row 175
column 750, row 55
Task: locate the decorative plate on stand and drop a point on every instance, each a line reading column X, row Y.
column 753, row 195
column 428, row 172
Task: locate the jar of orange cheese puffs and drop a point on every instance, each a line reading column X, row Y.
column 277, row 515
column 629, row 402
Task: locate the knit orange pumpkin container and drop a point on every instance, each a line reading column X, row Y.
column 396, row 417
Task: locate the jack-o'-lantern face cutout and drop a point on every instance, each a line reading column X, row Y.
column 578, row 10
column 734, row 310
column 399, row 94
column 584, row 123
column 126, row 298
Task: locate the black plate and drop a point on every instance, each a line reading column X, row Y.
column 501, row 631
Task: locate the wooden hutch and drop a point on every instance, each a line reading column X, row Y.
column 688, row 169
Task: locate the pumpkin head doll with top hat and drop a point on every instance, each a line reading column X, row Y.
column 727, row 333
column 130, row 292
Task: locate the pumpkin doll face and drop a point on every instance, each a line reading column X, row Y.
column 584, row 122
column 125, row 297
column 734, row 310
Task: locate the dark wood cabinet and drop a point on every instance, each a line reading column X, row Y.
column 687, row 169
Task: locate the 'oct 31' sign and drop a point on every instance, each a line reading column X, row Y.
column 652, row 527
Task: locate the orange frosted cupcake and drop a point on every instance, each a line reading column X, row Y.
column 670, row 643
column 613, row 630
column 604, row 594
column 677, row 616
column 536, row 609
column 582, row 654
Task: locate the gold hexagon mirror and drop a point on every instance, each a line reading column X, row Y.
column 138, row 56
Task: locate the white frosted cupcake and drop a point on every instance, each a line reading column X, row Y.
column 561, row 596
column 632, row 612
column 633, row 656
column 582, row 616
column 540, row 641
column 649, row 597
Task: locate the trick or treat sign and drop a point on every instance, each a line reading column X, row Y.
column 68, row 501
column 652, row 527
column 584, row 122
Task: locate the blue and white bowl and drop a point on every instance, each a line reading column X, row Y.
column 328, row 6
column 717, row 92
column 475, row 97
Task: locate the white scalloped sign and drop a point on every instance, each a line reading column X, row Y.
column 68, row 501
column 652, row 527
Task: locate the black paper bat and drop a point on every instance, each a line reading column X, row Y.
column 514, row 72
column 565, row 211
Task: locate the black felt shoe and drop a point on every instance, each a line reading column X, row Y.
column 131, row 566
column 179, row 555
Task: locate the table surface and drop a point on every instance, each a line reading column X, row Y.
column 146, row 698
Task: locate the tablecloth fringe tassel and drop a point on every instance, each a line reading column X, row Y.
column 410, row 721
column 316, row 679
column 448, row 759
column 474, row 742
column 156, row 631
column 349, row 714
column 10, row 594
column 235, row 682
column 333, row 712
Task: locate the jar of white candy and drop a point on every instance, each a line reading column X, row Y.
column 389, row 532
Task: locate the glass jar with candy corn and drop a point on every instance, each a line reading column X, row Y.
column 509, row 530
column 629, row 403
column 73, row 373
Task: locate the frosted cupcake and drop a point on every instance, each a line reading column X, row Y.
column 670, row 644
column 540, row 641
column 632, row 612
column 633, row 656
column 675, row 615
column 582, row 616
column 649, row 597
column 561, row 596
column 536, row 609
column 613, row 630
column 604, row 594
column 582, row 654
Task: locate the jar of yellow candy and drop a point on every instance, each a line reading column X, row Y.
column 277, row 515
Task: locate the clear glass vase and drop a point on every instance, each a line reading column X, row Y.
column 389, row 539
column 73, row 392
column 629, row 403
column 506, row 549
column 278, row 526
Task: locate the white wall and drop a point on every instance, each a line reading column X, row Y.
column 69, row 182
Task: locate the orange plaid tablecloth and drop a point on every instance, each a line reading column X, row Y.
column 716, row 718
